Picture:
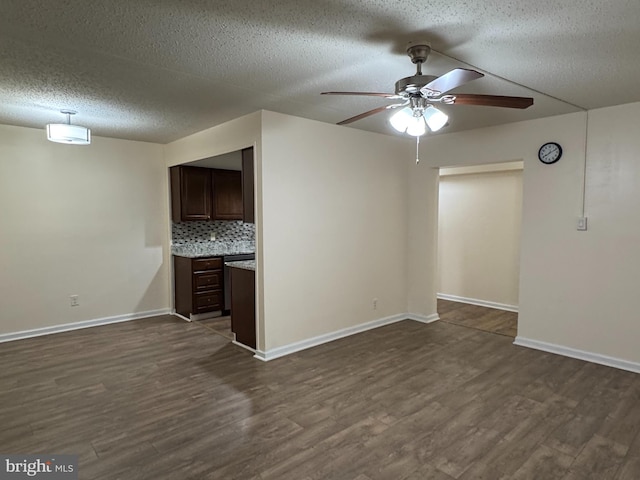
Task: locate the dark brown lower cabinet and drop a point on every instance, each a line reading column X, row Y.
column 199, row 285
column 243, row 306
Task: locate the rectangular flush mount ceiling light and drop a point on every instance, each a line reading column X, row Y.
column 67, row 133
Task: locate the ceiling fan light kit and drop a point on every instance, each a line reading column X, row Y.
column 406, row 120
column 436, row 119
column 67, row 133
column 402, row 119
column 419, row 92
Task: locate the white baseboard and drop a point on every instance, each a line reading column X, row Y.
column 327, row 337
column 480, row 303
column 434, row 317
column 65, row 327
column 579, row 354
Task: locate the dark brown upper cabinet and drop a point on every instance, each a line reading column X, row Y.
column 227, row 195
column 191, row 193
column 212, row 194
column 247, row 185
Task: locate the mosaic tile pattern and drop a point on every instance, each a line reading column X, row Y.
column 226, row 231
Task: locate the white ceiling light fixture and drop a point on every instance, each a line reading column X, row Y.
column 401, row 119
column 67, row 133
column 417, row 127
column 412, row 119
column 415, row 117
column 436, row 119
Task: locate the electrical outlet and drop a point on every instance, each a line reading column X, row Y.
column 212, row 235
column 74, row 300
column 582, row 223
column 375, row 303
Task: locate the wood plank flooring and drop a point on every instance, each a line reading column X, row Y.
column 219, row 325
column 481, row 318
column 165, row 399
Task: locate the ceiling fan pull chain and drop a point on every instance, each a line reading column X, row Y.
column 417, row 150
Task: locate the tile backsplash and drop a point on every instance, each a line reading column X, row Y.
column 200, row 232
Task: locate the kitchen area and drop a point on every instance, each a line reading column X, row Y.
column 213, row 244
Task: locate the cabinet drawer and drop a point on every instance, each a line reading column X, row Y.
column 207, row 280
column 208, row 302
column 200, row 264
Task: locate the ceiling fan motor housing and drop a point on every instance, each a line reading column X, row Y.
column 412, row 85
column 418, row 51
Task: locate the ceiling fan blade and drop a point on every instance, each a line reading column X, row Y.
column 449, row 81
column 492, row 100
column 369, row 113
column 366, row 94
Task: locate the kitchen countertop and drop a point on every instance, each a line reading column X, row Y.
column 212, row 249
column 243, row 264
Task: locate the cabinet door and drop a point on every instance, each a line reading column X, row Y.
column 247, row 185
column 196, row 193
column 243, row 306
column 183, row 286
column 190, row 193
column 227, row 195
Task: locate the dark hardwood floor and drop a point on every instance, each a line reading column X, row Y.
column 166, row 399
column 481, row 318
column 219, row 325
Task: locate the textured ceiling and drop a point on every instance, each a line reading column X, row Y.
column 158, row 70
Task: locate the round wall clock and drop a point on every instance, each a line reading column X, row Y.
column 550, row 153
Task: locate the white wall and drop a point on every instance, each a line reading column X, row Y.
column 86, row 220
column 576, row 288
column 479, row 221
column 334, row 203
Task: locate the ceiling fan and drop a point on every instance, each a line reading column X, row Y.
column 419, row 93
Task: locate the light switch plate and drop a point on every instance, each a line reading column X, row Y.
column 582, row 223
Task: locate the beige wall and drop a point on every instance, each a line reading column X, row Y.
column 343, row 216
column 479, row 221
column 334, row 205
column 592, row 289
column 85, row 220
column 576, row 288
column 422, row 239
column 331, row 221
column 222, row 139
column 228, row 137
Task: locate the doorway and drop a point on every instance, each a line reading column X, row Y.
column 479, row 223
